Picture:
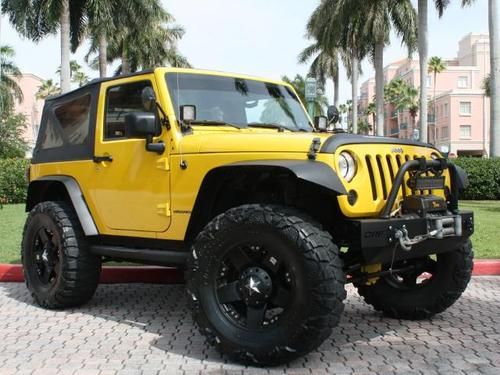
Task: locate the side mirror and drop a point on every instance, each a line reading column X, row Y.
column 144, row 125
column 332, row 114
column 320, row 123
column 141, row 124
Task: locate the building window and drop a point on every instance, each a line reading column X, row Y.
column 465, row 131
column 429, row 81
column 463, row 82
column 445, row 108
column 465, row 108
column 445, row 133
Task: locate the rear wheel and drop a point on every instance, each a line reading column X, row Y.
column 431, row 285
column 59, row 270
column 266, row 286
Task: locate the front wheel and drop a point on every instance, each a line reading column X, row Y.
column 266, row 286
column 430, row 286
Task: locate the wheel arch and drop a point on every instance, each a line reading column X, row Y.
column 65, row 188
column 262, row 181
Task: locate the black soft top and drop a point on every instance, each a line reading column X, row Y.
column 97, row 82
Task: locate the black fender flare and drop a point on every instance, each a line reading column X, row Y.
column 75, row 195
column 315, row 172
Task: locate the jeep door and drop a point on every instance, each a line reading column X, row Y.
column 131, row 185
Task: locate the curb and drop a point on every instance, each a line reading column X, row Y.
column 162, row 275
column 486, row 268
column 111, row 274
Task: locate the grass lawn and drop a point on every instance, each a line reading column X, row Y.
column 486, row 238
column 12, row 217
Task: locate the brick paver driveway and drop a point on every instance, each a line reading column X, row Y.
column 137, row 328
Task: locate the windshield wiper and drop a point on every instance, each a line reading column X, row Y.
column 268, row 125
column 214, row 122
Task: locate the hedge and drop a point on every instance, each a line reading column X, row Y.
column 484, row 178
column 13, row 186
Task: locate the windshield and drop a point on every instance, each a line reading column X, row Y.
column 238, row 101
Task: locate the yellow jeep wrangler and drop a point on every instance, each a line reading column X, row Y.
column 270, row 214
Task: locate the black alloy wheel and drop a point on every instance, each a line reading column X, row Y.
column 255, row 286
column 46, row 252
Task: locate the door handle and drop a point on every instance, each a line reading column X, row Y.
column 100, row 159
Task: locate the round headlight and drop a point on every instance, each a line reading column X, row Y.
column 347, row 166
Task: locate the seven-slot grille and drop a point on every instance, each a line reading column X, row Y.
column 382, row 170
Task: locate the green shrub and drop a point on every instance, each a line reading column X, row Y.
column 13, row 186
column 484, row 178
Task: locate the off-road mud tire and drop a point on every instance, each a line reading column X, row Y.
column 78, row 270
column 318, row 266
column 454, row 270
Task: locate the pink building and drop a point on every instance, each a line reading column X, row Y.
column 460, row 122
column 31, row 107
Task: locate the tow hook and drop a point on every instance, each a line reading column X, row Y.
column 438, row 228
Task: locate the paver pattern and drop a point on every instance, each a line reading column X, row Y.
column 147, row 329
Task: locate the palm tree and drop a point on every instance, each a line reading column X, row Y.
column 436, row 66
column 325, row 65
column 46, row 89
column 338, row 24
column 80, row 78
column 364, row 127
column 403, row 97
column 139, row 43
column 422, row 52
column 371, row 110
column 100, row 26
column 36, row 19
column 493, row 20
column 9, row 88
column 115, row 19
column 380, row 15
column 147, row 43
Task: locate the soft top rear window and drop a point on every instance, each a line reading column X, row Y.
column 68, row 127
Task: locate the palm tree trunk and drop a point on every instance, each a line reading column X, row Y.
column 354, row 89
column 65, row 68
column 336, row 87
column 494, row 19
column 434, row 110
column 103, row 55
column 125, row 60
column 422, row 52
column 379, row 87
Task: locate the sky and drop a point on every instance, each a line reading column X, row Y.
column 256, row 37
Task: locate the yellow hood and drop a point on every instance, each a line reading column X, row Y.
column 211, row 140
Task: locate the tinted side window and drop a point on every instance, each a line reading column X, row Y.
column 51, row 138
column 67, row 128
column 74, row 119
column 121, row 100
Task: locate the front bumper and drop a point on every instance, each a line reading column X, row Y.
column 411, row 236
